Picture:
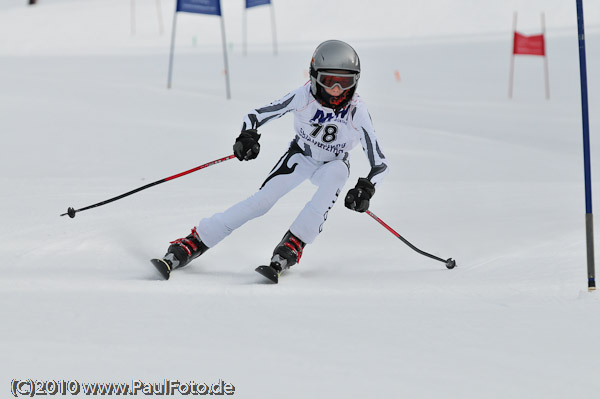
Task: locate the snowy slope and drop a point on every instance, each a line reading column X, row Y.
column 495, row 183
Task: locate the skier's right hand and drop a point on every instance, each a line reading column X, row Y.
column 246, row 146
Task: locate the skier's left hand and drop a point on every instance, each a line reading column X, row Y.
column 358, row 197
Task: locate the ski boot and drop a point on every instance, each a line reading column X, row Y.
column 181, row 252
column 285, row 255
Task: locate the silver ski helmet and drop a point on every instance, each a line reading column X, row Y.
column 334, row 63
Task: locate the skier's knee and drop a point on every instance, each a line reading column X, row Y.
column 261, row 205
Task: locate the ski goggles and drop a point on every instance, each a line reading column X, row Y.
column 344, row 80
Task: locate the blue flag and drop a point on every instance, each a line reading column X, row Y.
column 212, row 7
column 254, row 3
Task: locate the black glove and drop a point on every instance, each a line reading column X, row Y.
column 246, row 146
column 358, row 197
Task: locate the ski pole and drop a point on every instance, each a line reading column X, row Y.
column 450, row 263
column 71, row 211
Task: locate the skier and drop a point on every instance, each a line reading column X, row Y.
column 330, row 119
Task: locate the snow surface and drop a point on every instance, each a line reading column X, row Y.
column 495, row 183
